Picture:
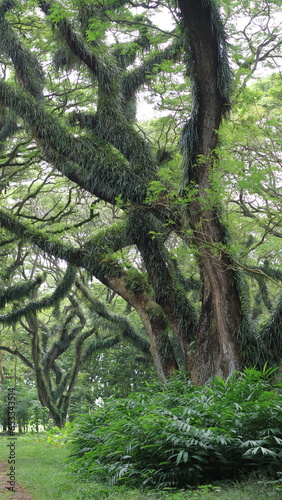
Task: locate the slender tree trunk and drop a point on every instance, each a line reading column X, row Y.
column 1, row 368
column 154, row 322
column 41, row 385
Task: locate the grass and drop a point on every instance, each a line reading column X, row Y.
column 41, row 470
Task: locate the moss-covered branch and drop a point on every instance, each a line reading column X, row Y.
column 121, row 133
column 97, row 65
column 66, row 336
column 28, row 70
column 120, row 322
column 43, row 388
column 96, row 167
column 73, row 374
column 210, row 74
column 96, row 257
column 170, row 294
column 137, row 77
column 99, row 345
column 129, row 142
column 22, row 290
column 32, row 307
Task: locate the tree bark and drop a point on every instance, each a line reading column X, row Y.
column 169, row 292
column 155, row 323
column 43, row 390
column 217, row 347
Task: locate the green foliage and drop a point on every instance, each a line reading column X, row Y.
column 48, row 478
column 136, row 282
column 183, row 435
column 116, row 372
column 57, row 12
column 272, row 332
column 29, row 413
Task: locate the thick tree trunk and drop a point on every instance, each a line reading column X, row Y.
column 217, row 348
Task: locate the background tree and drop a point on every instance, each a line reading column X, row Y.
column 57, row 334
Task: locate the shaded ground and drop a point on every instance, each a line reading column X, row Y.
column 20, row 492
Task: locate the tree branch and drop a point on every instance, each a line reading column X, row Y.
column 31, row 308
column 96, row 65
column 28, row 70
column 95, row 166
column 15, row 352
column 120, row 321
column 132, row 82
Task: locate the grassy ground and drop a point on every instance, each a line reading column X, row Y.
column 40, row 468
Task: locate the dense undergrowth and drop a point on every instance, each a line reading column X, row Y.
column 184, row 435
column 41, row 469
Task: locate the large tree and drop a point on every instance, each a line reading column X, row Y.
column 72, row 73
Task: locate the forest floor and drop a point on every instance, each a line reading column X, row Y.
column 42, row 474
column 20, row 492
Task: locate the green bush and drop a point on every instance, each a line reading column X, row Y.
column 184, row 435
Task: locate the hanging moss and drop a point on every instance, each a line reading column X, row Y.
column 125, row 54
column 254, row 350
column 64, row 58
column 8, row 127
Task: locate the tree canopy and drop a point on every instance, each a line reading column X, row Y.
column 178, row 216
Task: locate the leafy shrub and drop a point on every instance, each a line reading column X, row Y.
column 57, row 436
column 184, row 435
